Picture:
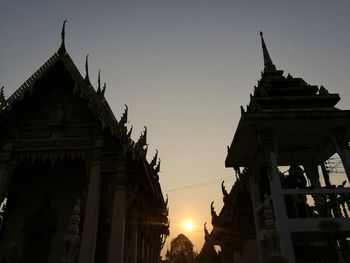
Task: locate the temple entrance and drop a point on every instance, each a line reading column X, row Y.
column 41, row 196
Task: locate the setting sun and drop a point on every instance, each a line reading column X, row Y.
column 188, row 225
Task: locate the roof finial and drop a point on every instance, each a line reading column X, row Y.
column 62, row 49
column 103, row 88
column 99, row 82
column 269, row 66
column 87, row 69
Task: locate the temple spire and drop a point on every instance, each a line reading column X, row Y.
column 87, row 68
column 268, row 64
column 62, row 50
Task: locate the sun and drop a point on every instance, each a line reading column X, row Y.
column 188, row 225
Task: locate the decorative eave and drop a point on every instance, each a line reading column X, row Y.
column 298, row 115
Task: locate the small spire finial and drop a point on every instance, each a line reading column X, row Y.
column 62, row 49
column 268, row 64
column 87, row 68
column 99, row 81
column 103, row 88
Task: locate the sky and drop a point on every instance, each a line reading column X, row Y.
column 184, row 68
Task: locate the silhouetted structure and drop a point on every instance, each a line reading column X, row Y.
column 233, row 228
column 78, row 188
column 295, row 127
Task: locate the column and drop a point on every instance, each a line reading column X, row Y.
column 341, row 143
column 3, row 180
column 286, row 245
column 255, row 202
column 312, row 174
column 267, row 140
column 117, row 235
column 89, row 234
column 133, row 237
column 5, row 158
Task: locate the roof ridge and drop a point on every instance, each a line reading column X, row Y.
column 28, row 84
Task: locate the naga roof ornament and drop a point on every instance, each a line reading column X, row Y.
column 130, row 131
column 224, row 192
column 3, row 101
column 87, row 68
column 206, row 233
column 104, row 88
column 141, row 144
column 157, row 168
column 124, row 118
column 213, row 213
column 154, row 160
column 62, row 50
column 100, row 92
column 166, row 200
column 99, row 82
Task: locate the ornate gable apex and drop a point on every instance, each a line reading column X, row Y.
column 97, row 102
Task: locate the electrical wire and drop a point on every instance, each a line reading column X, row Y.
column 198, row 185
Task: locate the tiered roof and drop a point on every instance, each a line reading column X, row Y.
column 276, row 92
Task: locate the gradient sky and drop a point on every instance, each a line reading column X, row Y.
column 183, row 67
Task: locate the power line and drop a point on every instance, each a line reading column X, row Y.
column 198, row 185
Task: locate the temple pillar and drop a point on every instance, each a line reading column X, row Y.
column 255, row 202
column 5, row 159
column 341, row 143
column 3, row 180
column 279, row 207
column 312, row 174
column 133, row 235
column 117, row 234
column 267, row 141
column 89, row 233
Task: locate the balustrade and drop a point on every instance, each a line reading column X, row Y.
column 305, row 203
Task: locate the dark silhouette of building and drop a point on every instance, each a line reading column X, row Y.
column 233, row 228
column 77, row 188
column 284, row 137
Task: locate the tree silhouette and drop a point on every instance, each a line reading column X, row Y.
column 181, row 250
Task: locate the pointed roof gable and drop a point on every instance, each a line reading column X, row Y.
column 276, row 92
column 97, row 103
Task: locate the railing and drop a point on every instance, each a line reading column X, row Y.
column 317, row 203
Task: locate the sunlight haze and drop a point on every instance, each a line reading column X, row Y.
column 184, row 68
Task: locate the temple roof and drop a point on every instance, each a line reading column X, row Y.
column 98, row 105
column 277, row 92
column 286, row 105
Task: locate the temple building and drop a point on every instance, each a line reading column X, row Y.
column 74, row 186
column 233, row 228
column 299, row 209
